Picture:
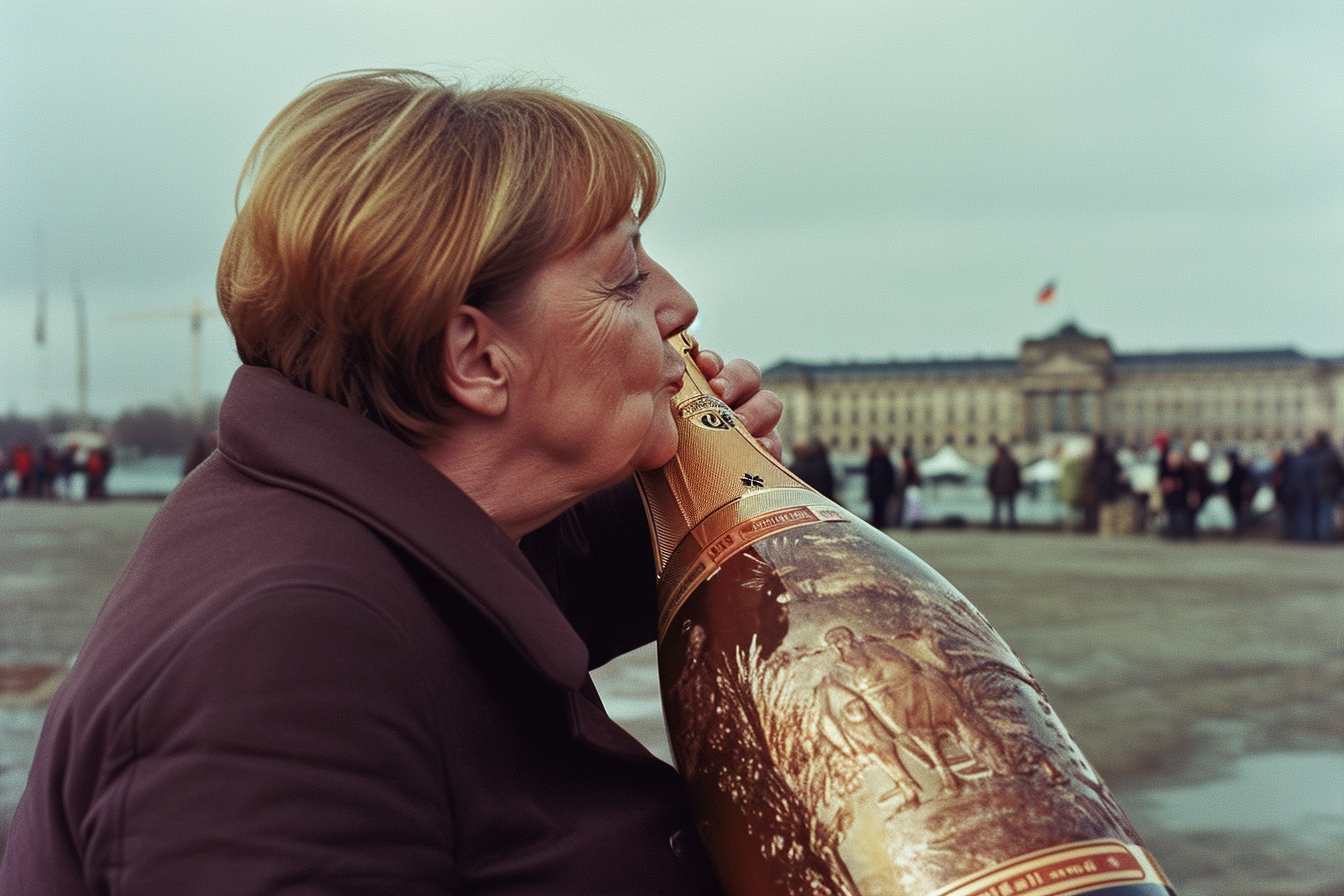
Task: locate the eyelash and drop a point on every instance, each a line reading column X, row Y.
column 631, row 287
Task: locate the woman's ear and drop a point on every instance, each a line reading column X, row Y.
column 473, row 362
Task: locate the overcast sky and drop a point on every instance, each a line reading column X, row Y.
column 845, row 180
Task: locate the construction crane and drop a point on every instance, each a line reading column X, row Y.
column 81, row 355
column 195, row 315
column 81, row 329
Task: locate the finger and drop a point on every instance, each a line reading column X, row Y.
column 709, row 363
column 774, row 444
column 741, row 381
column 761, row 413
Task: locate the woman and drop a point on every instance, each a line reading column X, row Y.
column 330, row 666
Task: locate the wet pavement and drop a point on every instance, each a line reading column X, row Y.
column 1204, row 681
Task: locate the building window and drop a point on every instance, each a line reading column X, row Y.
column 1040, row 412
column 1059, row 421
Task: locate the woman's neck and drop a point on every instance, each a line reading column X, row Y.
column 513, row 484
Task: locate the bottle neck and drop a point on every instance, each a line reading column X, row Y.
column 694, row 384
column 717, row 463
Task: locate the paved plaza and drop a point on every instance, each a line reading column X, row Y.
column 1205, row 681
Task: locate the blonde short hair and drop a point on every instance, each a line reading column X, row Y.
column 380, row 201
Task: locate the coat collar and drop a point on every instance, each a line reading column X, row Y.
column 283, row 435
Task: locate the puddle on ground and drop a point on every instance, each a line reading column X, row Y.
column 1263, row 791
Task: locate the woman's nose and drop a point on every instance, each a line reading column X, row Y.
column 676, row 309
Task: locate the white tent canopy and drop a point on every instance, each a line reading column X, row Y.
column 947, row 463
column 1044, row 471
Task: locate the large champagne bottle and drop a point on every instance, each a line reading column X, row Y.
column 848, row 723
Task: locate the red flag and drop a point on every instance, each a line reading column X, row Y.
column 1047, row 293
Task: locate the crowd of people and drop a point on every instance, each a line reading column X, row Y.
column 1107, row 498
column 49, row 472
column 1307, row 488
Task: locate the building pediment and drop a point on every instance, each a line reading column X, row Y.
column 1065, row 365
column 1064, row 371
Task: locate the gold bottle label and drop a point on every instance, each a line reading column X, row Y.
column 1062, row 870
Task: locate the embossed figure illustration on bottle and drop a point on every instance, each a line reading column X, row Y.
column 847, row 721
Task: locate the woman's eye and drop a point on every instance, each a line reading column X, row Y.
column 631, row 286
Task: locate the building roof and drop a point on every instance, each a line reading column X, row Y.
column 1131, row 362
column 857, row 370
column 1185, row 360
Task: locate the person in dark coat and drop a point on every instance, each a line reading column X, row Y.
column 1329, row 485
column 1286, row 497
column 812, row 464
column 1240, row 490
column 880, row 481
column 1102, row 484
column 1004, row 482
column 351, row 653
column 1180, row 495
column 1316, row 477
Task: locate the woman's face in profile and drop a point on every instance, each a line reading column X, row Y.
column 596, row 375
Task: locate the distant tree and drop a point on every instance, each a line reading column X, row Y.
column 15, row 429
column 155, row 431
column 59, row 421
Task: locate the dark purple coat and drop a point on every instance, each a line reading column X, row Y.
column 325, row 670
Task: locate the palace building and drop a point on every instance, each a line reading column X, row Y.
column 1061, row 386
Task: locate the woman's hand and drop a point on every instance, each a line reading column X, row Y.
column 738, row 383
